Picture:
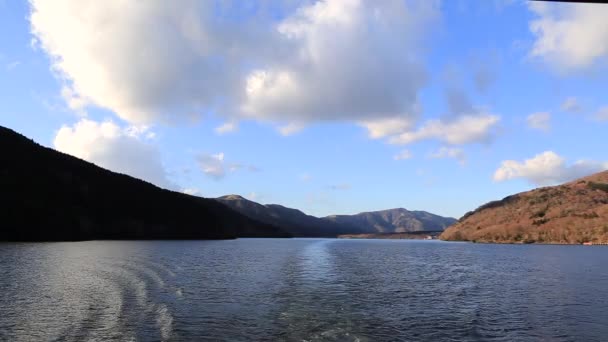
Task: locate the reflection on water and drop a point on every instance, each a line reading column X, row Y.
column 302, row 290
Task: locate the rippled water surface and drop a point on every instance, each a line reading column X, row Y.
column 302, row 290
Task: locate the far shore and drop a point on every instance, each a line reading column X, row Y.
column 422, row 235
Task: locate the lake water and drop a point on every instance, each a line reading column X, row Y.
column 302, row 290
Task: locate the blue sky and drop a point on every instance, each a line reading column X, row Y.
column 317, row 100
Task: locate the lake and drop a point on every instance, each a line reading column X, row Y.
column 302, row 290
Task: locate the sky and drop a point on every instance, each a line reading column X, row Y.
column 331, row 107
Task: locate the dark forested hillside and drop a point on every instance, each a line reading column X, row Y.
column 46, row 195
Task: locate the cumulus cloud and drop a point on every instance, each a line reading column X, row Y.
column 405, row 154
column 478, row 128
column 351, row 60
column 216, row 167
column 571, row 105
column 120, row 149
column 570, row 37
column 540, row 121
column 450, row 152
column 151, row 61
column 547, row 168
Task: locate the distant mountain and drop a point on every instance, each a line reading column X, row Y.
column 393, row 221
column 300, row 224
column 46, row 195
column 291, row 220
column 575, row 212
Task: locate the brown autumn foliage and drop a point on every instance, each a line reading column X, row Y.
column 572, row 213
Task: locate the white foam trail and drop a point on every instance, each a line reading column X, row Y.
column 164, row 321
column 157, row 266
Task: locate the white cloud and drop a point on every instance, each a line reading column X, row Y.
column 381, row 128
column 570, row 37
column 571, row 105
column 215, row 165
column 450, row 152
column 405, row 154
column 74, row 101
column 602, row 114
column 110, row 146
column 540, row 121
column 227, row 127
column 478, row 128
column 151, row 61
column 191, row 191
column 463, row 123
column 351, row 60
column 547, row 168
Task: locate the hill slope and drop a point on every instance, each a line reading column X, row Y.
column 393, row 221
column 50, row 196
column 574, row 212
column 291, row 220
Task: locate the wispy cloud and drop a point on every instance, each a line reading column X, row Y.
column 11, row 66
column 341, row 186
column 227, row 127
column 539, row 121
column 602, row 114
column 216, row 167
column 450, row 152
column 571, row 105
column 405, row 154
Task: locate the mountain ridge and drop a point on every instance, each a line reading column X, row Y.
column 294, row 221
column 396, row 220
column 298, row 223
